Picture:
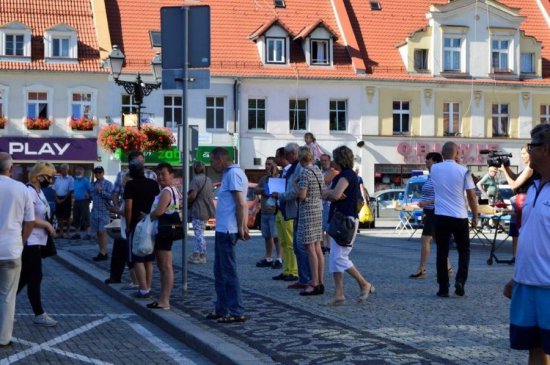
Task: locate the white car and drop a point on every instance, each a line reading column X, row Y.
column 385, row 198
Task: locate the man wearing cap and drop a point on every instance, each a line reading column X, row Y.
column 101, row 191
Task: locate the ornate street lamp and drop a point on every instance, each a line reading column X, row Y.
column 137, row 88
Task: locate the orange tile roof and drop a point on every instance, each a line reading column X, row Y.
column 232, row 22
column 40, row 15
column 372, row 36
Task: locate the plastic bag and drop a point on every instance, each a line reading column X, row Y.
column 365, row 214
column 142, row 239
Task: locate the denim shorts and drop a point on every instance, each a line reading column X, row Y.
column 268, row 226
column 530, row 318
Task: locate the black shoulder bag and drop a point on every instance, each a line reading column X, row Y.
column 342, row 228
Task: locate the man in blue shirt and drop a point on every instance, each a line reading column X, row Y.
column 63, row 187
column 231, row 219
column 81, row 205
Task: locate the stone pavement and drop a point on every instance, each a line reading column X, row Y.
column 403, row 322
column 92, row 329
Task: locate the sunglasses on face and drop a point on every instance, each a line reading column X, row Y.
column 530, row 146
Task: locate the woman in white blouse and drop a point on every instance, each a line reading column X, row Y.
column 40, row 177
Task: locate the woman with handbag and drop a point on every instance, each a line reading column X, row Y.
column 165, row 204
column 343, row 194
column 201, row 208
column 40, row 177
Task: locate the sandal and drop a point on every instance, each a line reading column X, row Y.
column 213, row 315
column 233, row 319
column 421, row 274
column 336, row 302
column 155, row 305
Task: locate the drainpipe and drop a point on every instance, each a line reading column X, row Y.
column 236, row 114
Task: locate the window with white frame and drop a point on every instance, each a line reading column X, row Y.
column 275, row 50
column 173, row 111
column 61, row 44
column 338, row 115
column 128, row 104
column 60, row 47
column 256, row 114
column 215, row 110
column 527, row 63
column 37, row 104
column 451, row 53
column 320, row 52
column 501, row 118
column 14, row 45
column 544, row 113
column 81, row 105
column 401, row 117
column 297, row 114
column 499, row 55
column 451, row 119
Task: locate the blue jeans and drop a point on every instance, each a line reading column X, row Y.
column 228, row 289
column 304, row 273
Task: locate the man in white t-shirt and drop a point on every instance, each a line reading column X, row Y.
column 530, row 287
column 450, row 181
column 16, row 216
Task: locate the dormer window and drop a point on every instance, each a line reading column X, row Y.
column 14, row 45
column 15, row 42
column 320, row 52
column 61, row 44
column 275, row 50
column 280, row 3
column 499, row 55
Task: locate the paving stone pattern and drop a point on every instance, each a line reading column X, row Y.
column 403, row 322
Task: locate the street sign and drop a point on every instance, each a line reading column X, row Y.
column 173, row 26
column 172, row 79
column 203, row 153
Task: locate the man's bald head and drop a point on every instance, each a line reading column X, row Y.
column 449, row 150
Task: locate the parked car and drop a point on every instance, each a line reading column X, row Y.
column 253, row 207
column 413, row 190
column 384, row 198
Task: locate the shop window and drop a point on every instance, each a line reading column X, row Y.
column 173, row 111
column 500, row 118
column 215, row 108
column 451, row 119
column 401, row 117
column 544, row 113
column 297, row 114
column 338, row 115
column 256, row 114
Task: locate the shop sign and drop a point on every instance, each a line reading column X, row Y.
column 171, row 156
column 203, row 153
column 50, row 149
column 469, row 152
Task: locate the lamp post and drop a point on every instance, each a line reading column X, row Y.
column 137, row 88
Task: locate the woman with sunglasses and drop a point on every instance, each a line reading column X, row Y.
column 40, row 177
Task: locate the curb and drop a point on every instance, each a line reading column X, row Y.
column 180, row 326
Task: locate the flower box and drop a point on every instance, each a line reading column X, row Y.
column 3, row 122
column 112, row 137
column 82, row 124
column 38, row 123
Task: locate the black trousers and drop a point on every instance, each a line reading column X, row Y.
column 31, row 277
column 446, row 226
column 119, row 258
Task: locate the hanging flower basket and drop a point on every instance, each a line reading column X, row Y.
column 113, row 136
column 38, row 123
column 3, row 122
column 82, row 124
column 157, row 138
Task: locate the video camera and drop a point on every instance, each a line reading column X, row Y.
column 497, row 158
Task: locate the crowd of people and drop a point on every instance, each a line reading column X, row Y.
column 317, row 187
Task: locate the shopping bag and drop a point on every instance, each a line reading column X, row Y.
column 365, row 214
column 142, row 239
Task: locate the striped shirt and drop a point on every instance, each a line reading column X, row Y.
column 428, row 193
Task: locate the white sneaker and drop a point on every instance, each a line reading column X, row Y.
column 130, row 286
column 44, row 320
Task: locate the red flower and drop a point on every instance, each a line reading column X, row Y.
column 38, row 123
